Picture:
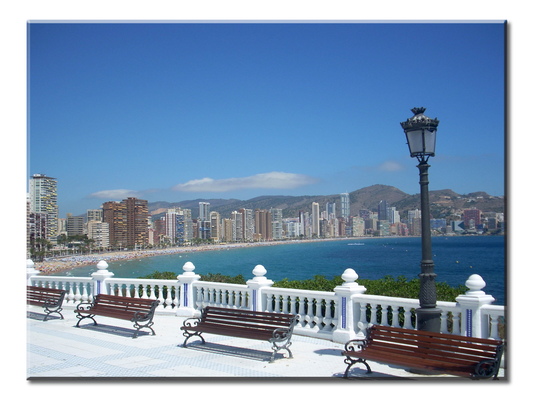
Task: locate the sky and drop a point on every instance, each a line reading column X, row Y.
column 180, row 111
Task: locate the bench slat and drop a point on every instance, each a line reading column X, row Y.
column 452, row 354
column 127, row 308
column 259, row 325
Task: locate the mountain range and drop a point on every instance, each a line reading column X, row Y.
column 443, row 203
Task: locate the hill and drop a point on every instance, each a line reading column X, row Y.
column 443, row 203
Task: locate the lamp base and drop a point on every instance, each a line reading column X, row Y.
column 428, row 319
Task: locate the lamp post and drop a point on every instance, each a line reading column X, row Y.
column 421, row 133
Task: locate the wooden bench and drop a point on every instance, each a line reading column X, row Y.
column 272, row 327
column 139, row 311
column 426, row 351
column 50, row 299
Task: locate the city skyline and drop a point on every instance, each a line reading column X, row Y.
column 174, row 111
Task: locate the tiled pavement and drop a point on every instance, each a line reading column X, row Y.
column 57, row 349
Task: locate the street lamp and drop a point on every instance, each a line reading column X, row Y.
column 421, row 133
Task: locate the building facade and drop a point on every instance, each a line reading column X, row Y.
column 43, row 199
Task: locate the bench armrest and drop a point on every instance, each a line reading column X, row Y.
column 84, row 306
column 355, row 344
column 191, row 322
column 490, row 367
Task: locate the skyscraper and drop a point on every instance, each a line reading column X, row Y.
column 43, row 199
column 277, row 223
column 204, row 222
column 382, row 210
column 315, row 215
column 128, row 222
column 263, row 224
column 345, row 206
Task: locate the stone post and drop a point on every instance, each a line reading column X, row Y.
column 256, row 284
column 187, row 307
column 347, row 315
column 30, row 271
column 99, row 278
column 472, row 324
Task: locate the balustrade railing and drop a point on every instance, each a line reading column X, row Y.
column 338, row 315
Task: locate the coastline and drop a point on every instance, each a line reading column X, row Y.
column 57, row 264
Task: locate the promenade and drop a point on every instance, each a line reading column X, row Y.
column 57, row 350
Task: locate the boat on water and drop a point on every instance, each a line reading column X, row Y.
column 356, row 244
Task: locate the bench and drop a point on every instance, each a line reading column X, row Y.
column 50, row 299
column 272, row 327
column 426, row 351
column 139, row 311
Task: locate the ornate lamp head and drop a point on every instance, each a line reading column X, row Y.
column 421, row 134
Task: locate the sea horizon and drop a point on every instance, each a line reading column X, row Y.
column 455, row 258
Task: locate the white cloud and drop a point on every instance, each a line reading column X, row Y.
column 116, row 194
column 390, row 166
column 271, row 180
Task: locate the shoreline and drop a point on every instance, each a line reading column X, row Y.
column 54, row 265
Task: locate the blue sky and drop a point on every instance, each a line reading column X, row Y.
column 177, row 111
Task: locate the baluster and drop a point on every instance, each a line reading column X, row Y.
column 395, row 316
column 444, row 322
column 319, row 317
column 77, row 292
column 199, row 298
column 232, row 294
column 284, row 304
column 176, row 299
column 269, row 300
column 310, row 313
column 362, row 309
column 84, row 296
column 456, row 322
column 293, row 305
column 327, row 316
column 374, row 314
column 277, row 305
column 70, row 296
column 159, row 297
column 494, row 319
column 210, row 296
column 300, row 313
column 409, row 319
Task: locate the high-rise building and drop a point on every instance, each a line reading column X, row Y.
column 315, row 215
column 263, row 224
column 204, row 223
column 236, row 218
column 114, row 213
column 204, row 211
column 472, row 218
column 28, row 224
column 99, row 232
column 331, row 211
column 215, row 226
column 43, row 199
column 95, row 215
column 277, row 223
column 382, row 210
column 248, row 226
column 345, row 206
column 137, row 221
column 128, row 222
column 75, row 225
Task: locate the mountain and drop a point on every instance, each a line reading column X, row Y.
column 443, row 203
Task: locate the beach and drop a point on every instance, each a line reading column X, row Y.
column 57, row 264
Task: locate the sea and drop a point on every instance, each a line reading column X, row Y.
column 455, row 258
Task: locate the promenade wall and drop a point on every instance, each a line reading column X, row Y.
column 339, row 316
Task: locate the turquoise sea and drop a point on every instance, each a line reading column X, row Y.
column 455, row 257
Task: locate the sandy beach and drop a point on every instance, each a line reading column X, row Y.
column 53, row 265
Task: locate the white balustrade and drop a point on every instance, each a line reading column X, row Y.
column 315, row 309
column 218, row 294
column 331, row 315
